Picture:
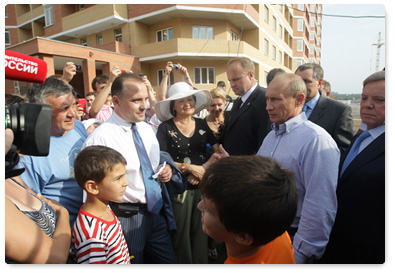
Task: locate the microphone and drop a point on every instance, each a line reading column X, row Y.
column 21, row 67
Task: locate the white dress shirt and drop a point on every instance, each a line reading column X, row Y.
column 116, row 133
column 248, row 94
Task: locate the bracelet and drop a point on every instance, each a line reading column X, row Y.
column 183, row 167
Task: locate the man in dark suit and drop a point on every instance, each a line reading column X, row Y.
column 335, row 117
column 248, row 122
column 358, row 235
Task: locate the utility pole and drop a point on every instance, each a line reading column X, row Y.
column 379, row 44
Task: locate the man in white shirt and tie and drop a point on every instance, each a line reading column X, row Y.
column 145, row 225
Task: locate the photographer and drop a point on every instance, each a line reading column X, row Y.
column 165, row 79
column 102, row 106
column 162, row 93
column 36, row 229
column 53, row 175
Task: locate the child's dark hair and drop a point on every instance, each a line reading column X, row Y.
column 252, row 195
column 94, row 162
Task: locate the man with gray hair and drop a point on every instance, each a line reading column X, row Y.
column 53, row 176
column 326, row 89
column 312, row 155
column 358, row 235
column 335, row 117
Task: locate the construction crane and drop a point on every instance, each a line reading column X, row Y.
column 379, row 44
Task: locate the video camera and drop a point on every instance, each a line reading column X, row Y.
column 30, row 123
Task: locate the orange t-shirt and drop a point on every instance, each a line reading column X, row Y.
column 278, row 251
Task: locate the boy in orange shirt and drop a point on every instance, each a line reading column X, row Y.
column 249, row 202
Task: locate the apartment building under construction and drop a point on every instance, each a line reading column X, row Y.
column 143, row 37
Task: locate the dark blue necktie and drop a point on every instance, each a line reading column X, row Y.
column 152, row 190
column 354, row 150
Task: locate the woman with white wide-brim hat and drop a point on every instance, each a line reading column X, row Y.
column 181, row 90
column 187, row 139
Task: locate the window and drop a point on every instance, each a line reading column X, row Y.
column 299, row 62
column 280, row 31
column 48, row 15
column 164, row 34
column 318, row 41
column 311, row 36
column 6, row 13
column 300, row 24
column 202, row 32
column 280, row 57
column 17, row 88
column 266, row 47
column 7, row 40
column 311, row 49
column 318, row 31
column 274, row 24
column 99, row 39
column 266, row 14
column 234, row 36
column 299, row 45
column 311, row 61
column 265, row 78
column 312, row 8
column 81, row 6
column 312, row 22
column 204, row 75
column 301, row 7
column 273, row 52
column 170, row 79
column 118, row 34
column 83, row 42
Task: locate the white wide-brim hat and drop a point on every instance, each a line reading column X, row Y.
column 178, row 91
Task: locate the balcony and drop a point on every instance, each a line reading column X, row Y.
column 115, row 46
column 91, row 20
column 192, row 49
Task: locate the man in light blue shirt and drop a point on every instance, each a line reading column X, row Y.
column 312, row 155
column 53, row 175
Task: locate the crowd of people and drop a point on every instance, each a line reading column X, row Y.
column 134, row 176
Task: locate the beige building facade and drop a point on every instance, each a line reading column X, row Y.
column 200, row 37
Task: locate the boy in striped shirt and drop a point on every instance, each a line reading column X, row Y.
column 97, row 235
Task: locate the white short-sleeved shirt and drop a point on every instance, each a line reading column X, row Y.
column 116, row 133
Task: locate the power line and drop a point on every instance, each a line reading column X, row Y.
column 341, row 16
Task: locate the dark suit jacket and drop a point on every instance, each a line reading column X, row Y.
column 244, row 132
column 336, row 118
column 359, row 231
column 177, row 185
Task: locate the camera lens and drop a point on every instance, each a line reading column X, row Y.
column 29, row 122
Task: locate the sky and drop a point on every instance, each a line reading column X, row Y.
column 348, row 54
